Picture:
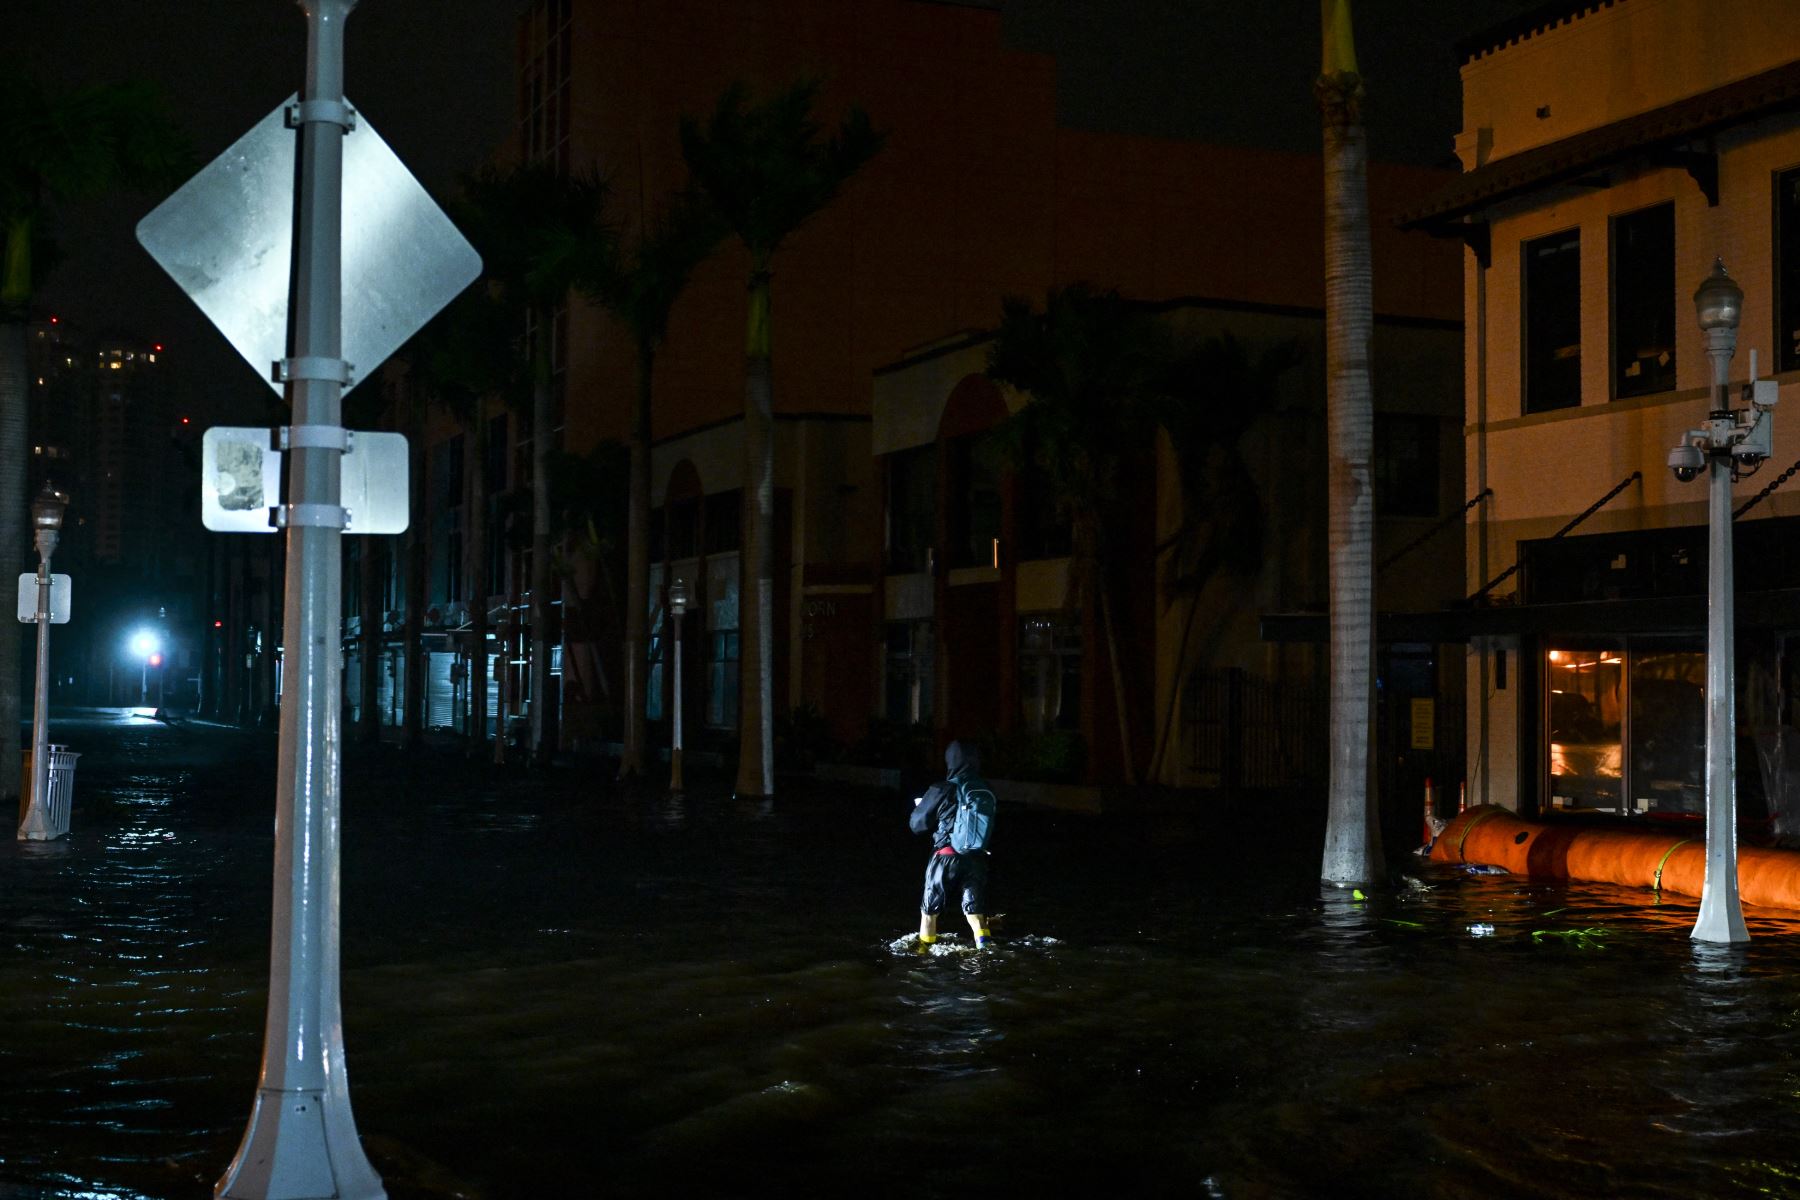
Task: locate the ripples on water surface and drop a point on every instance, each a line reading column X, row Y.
column 550, row 994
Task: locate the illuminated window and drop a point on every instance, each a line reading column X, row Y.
column 1627, row 729
column 1586, row 709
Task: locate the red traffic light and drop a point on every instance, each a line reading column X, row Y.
column 156, row 660
column 218, row 624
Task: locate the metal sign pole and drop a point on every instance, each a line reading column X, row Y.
column 302, row 1139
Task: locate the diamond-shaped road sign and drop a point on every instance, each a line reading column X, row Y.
column 227, row 238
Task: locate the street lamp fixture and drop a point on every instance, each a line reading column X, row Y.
column 678, row 602
column 1731, row 444
column 47, row 511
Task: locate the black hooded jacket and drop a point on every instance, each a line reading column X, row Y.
column 936, row 813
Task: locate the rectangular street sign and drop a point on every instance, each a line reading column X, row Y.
column 240, row 480
column 59, row 598
column 376, row 475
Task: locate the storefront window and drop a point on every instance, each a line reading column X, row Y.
column 1668, row 731
column 907, row 672
column 722, row 679
column 1049, row 673
column 722, row 645
column 1585, row 716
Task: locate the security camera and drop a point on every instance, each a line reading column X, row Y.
column 1749, row 454
column 1687, row 462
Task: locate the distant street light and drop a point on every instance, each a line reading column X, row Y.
column 678, row 599
column 147, row 646
column 46, row 522
column 1730, row 444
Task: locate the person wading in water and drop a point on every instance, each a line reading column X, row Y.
column 959, row 815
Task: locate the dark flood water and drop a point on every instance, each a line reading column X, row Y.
column 553, row 990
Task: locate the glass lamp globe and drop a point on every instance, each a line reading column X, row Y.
column 1719, row 302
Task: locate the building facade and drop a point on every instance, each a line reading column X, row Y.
column 919, row 594
column 1612, row 151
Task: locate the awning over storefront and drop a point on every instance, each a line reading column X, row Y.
column 1662, row 614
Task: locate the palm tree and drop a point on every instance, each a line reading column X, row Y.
column 1092, row 364
column 640, row 289
column 517, row 218
column 54, row 150
column 765, row 168
column 1353, row 835
column 1216, row 392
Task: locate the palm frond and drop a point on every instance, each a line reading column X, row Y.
column 766, row 166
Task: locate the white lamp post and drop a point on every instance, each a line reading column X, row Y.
column 678, row 599
column 46, row 522
column 1732, row 442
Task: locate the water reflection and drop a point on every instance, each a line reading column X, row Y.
column 680, row 995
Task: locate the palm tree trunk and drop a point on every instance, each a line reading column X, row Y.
column 14, row 406
column 538, row 689
column 637, row 570
column 756, row 733
column 1118, row 681
column 476, row 571
column 1353, row 837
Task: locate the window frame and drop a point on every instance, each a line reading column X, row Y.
column 1526, row 290
column 1786, row 331
column 1615, row 362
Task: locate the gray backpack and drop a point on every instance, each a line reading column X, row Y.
column 974, row 824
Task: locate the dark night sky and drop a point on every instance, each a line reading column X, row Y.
column 435, row 78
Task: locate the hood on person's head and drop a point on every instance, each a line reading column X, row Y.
column 958, row 756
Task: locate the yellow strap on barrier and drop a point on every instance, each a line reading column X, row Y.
column 1492, row 812
column 1656, row 884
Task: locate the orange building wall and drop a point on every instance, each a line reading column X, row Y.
column 976, row 195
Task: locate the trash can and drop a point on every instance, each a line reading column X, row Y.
column 61, row 794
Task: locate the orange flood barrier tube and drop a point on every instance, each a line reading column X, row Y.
column 1672, row 862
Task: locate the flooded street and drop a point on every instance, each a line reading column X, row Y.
column 554, row 990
